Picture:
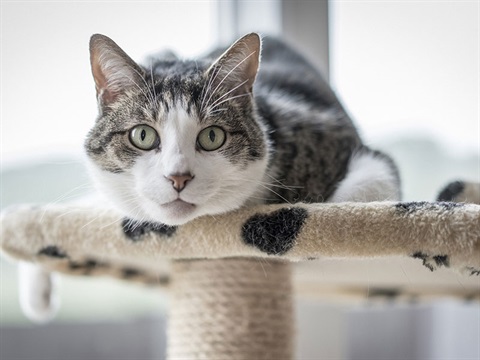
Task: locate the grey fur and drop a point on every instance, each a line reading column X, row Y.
column 311, row 137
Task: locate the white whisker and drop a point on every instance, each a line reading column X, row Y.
column 228, row 74
column 228, row 92
column 94, row 219
column 149, row 97
column 112, row 223
column 213, row 77
column 153, row 82
column 216, row 110
column 231, row 98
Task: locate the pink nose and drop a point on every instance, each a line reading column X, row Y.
column 179, row 181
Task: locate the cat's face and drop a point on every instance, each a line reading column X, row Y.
column 179, row 140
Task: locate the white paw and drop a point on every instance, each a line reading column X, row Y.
column 38, row 298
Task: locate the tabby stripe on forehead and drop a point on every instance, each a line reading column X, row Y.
column 191, row 104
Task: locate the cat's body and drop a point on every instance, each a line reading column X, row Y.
column 178, row 139
column 175, row 140
column 312, row 138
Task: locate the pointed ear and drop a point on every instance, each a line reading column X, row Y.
column 113, row 70
column 237, row 67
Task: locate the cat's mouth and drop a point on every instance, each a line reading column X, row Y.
column 178, row 201
column 179, row 207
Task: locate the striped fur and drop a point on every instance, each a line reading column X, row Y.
column 288, row 139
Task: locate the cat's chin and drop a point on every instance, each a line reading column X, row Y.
column 178, row 208
column 177, row 212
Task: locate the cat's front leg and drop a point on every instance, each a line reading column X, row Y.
column 37, row 292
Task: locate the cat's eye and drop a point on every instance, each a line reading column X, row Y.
column 211, row 138
column 144, row 137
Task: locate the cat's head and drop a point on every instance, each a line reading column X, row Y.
column 175, row 140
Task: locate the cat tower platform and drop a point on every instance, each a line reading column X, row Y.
column 231, row 275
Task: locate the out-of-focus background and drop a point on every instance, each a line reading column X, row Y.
column 408, row 73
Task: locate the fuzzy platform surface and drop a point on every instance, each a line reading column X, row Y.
column 89, row 241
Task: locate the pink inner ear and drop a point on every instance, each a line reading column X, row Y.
column 239, row 63
column 113, row 70
column 252, row 50
column 107, row 90
column 101, row 82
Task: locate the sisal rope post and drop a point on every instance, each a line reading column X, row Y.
column 231, row 309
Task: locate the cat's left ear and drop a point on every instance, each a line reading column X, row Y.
column 237, row 67
column 113, row 70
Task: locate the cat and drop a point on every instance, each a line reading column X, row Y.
column 255, row 123
column 178, row 139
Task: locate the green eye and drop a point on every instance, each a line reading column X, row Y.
column 211, row 138
column 144, row 137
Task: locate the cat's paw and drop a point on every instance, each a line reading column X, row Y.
column 37, row 292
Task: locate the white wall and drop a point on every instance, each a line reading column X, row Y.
column 410, row 68
column 47, row 91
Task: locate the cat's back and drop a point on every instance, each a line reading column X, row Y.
column 312, row 136
column 284, row 70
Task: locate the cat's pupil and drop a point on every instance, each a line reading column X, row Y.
column 143, row 135
column 211, row 135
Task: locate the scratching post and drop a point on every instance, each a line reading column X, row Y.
column 231, row 275
column 231, row 309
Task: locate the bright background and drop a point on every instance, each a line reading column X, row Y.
column 401, row 68
column 48, row 95
column 410, row 68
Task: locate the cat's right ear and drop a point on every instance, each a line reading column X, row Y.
column 237, row 67
column 113, row 70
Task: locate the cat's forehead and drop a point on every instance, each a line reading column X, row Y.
column 177, row 70
column 178, row 116
column 174, row 86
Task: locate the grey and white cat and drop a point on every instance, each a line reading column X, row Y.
column 178, row 139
